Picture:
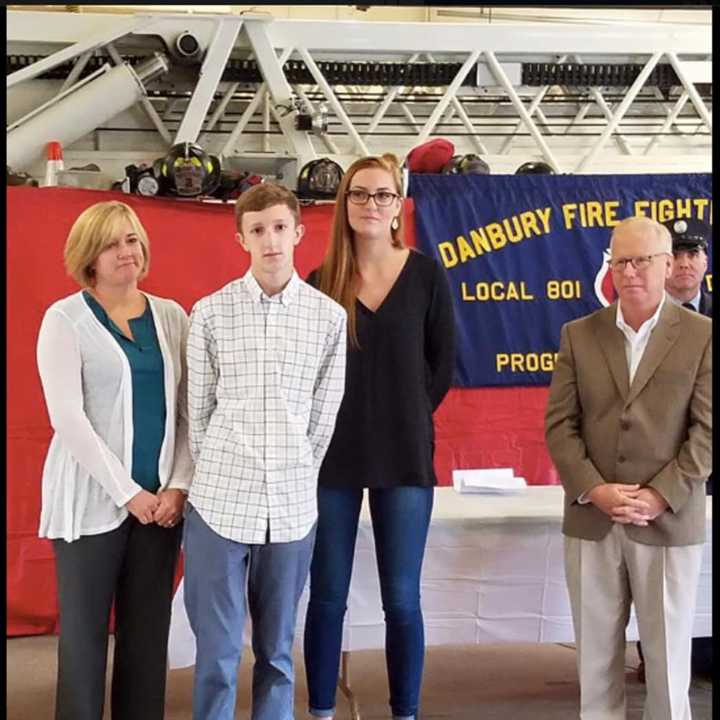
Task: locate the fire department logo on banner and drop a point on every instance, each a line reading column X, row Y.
column 604, row 288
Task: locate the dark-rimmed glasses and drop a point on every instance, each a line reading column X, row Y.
column 382, row 198
column 639, row 263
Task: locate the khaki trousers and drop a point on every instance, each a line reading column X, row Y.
column 604, row 577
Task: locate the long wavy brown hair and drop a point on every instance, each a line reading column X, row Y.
column 338, row 274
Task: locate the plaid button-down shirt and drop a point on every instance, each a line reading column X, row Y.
column 265, row 379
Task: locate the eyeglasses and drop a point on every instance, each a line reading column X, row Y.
column 382, row 198
column 639, row 263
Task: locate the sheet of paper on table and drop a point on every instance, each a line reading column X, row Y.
column 489, row 481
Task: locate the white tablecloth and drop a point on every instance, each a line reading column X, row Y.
column 493, row 572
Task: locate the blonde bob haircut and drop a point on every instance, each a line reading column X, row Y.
column 338, row 273
column 92, row 232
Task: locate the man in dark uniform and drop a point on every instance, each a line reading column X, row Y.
column 690, row 239
column 685, row 285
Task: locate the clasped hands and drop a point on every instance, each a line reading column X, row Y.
column 628, row 504
column 164, row 509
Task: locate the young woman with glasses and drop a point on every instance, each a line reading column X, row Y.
column 400, row 363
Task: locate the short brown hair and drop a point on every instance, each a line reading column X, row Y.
column 264, row 196
column 93, row 231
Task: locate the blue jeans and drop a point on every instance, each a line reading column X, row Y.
column 216, row 570
column 400, row 518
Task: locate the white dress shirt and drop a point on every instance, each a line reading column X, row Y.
column 636, row 342
column 266, row 378
column 86, row 380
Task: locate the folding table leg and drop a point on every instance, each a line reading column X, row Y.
column 344, row 685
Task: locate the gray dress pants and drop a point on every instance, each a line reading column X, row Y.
column 134, row 566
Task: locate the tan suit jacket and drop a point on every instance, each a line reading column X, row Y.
column 656, row 432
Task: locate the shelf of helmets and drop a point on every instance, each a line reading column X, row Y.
column 223, row 182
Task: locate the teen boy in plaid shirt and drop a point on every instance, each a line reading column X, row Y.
column 266, row 374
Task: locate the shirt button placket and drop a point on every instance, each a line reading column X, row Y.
column 271, row 383
column 266, row 351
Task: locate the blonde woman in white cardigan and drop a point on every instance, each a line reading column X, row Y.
column 112, row 364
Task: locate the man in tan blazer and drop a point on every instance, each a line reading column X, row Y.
column 628, row 426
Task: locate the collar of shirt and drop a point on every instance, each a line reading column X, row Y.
column 109, row 323
column 695, row 302
column 636, row 342
column 645, row 329
column 284, row 297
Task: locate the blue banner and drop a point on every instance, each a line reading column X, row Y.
column 526, row 253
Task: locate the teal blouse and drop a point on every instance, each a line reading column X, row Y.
column 148, row 390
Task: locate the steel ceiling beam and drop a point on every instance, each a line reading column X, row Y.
column 532, row 109
column 518, row 105
column 497, row 56
column 360, row 147
column 216, row 57
column 608, row 113
column 88, row 44
column 378, row 39
column 620, row 111
column 672, row 116
column 691, row 90
column 448, row 96
column 457, row 107
column 282, row 94
column 387, row 101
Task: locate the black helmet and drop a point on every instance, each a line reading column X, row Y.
column 319, row 180
column 470, row 164
column 535, row 168
column 187, row 170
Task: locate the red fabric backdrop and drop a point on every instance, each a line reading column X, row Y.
column 193, row 253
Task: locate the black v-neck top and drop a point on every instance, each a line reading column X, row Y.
column 384, row 435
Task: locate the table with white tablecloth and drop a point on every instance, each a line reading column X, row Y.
column 493, row 572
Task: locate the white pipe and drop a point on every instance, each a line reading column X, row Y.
column 75, row 115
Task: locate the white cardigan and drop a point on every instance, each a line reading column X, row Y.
column 86, row 379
